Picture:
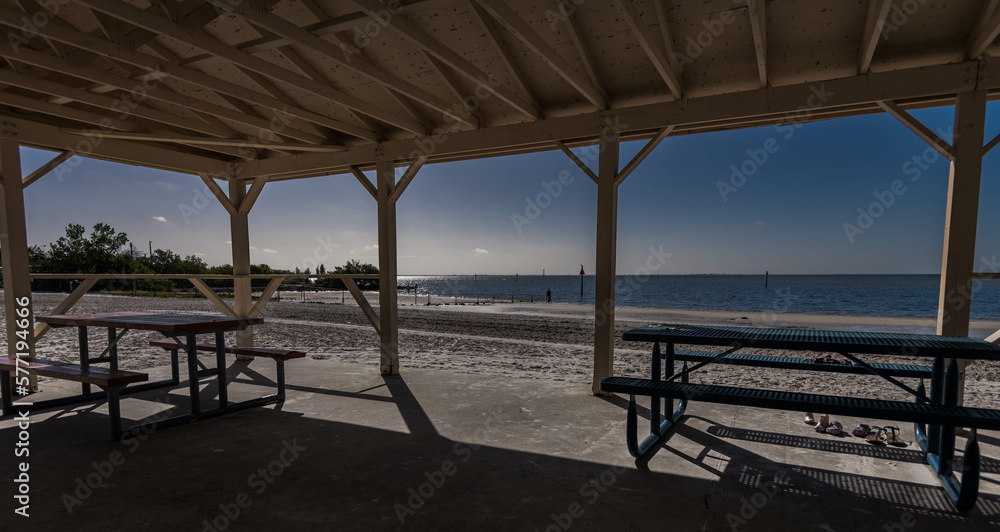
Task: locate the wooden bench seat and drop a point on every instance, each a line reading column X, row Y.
column 277, row 354
column 777, row 362
column 109, row 380
column 936, row 414
column 96, row 375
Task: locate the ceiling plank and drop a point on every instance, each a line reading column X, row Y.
column 649, row 45
column 493, row 34
column 660, row 6
column 142, row 90
column 510, row 20
column 576, row 34
column 450, row 57
column 878, row 10
column 987, row 30
column 758, row 27
column 151, row 64
column 335, row 54
column 119, row 107
column 163, row 26
column 334, row 25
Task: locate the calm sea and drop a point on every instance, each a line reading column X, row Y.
column 856, row 295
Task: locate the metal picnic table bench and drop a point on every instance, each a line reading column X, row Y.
column 935, row 416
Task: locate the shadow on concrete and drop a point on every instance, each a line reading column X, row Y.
column 267, row 469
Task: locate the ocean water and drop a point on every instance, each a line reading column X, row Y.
column 855, row 295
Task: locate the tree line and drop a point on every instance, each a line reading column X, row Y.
column 107, row 251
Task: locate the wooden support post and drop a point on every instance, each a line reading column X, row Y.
column 961, row 219
column 388, row 330
column 240, row 227
column 607, row 232
column 14, row 248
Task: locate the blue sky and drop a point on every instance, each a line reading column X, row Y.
column 466, row 217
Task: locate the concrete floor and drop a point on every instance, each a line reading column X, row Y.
column 432, row 450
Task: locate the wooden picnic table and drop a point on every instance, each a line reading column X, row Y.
column 180, row 327
column 935, row 415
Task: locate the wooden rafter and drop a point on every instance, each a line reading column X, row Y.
column 878, row 10
column 493, row 34
column 149, row 90
column 758, row 27
column 322, row 28
column 151, row 64
column 668, row 39
column 334, row 53
column 650, row 45
column 163, row 26
column 450, row 57
column 453, row 85
column 987, row 30
column 506, row 16
column 576, row 34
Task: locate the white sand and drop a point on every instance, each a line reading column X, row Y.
column 544, row 341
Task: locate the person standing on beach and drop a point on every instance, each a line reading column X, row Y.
column 548, row 296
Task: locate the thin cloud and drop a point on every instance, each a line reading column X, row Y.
column 481, row 251
column 159, row 219
column 268, row 250
column 371, row 247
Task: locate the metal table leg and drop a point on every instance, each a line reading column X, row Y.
column 192, row 356
column 220, row 364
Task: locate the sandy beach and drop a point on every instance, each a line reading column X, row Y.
column 548, row 342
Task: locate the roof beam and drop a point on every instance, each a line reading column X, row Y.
column 450, row 57
column 649, row 45
column 918, row 127
column 119, row 108
column 510, row 20
column 878, row 10
column 163, row 26
column 456, row 89
column 146, row 89
column 204, row 141
column 493, row 34
column 660, row 6
column 62, row 111
column 334, row 53
column 583, row 51
column 758, row 27
column 848, row 96
column 987, row 30
column 29, row 132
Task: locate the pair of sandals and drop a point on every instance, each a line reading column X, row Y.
column 879, row 435
column 825, row 425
